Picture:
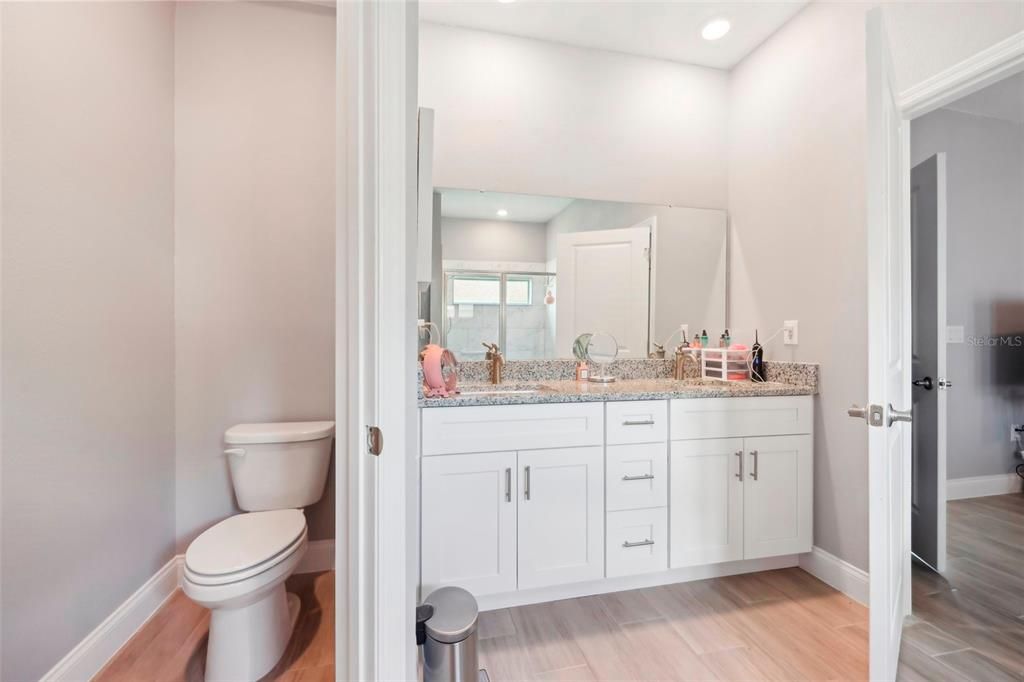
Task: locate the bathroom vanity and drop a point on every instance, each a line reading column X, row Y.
column 563, row 489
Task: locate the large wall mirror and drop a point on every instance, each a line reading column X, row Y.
column 531, row 273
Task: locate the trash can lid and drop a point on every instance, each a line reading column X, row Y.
column 455, row 614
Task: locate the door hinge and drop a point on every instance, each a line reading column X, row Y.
column 374, row 440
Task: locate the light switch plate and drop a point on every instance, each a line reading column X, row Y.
column 954, row 333
column 791, row 332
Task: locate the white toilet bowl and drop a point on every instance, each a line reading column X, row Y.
column 237, row 569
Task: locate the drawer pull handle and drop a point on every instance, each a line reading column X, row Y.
column 754, row 474
column 739, row 455
column 526, row 483
column 508, row 484
column 638, row 422
column 642, row 543
column 641, row 477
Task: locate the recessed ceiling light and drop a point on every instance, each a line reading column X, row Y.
column 502, row 213
column 715, row 29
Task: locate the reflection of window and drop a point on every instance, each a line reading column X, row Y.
column 486, row 290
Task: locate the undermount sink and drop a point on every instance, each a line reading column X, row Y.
column 508, row 389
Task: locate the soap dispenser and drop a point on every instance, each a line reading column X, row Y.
column 757, row 360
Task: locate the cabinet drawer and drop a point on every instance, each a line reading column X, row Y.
column 637, row 476
column 450, row 430
column 637, row 421
column 637, row 541
column 738, row 417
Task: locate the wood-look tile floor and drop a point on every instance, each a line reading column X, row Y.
column 775, row 625
column 171, row 647
column 969, row 623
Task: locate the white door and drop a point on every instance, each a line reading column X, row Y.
column 889, row 364
column 706, row 501
column 777, row 496
column 928, row 237
column 603, row 286
column 469, row 522
column 561, row 516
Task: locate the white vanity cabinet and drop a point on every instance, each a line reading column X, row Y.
column 736, row 494
column 521, row 516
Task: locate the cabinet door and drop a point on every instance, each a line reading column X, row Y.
column 778, row 496
column 706, row 502
column 469, row 522
column 561, row 516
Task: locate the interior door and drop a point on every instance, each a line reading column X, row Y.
column 706, row 514
column 469, row 522
column 928, row 237
column 604, row 286
column 889, row 361
column 561, row 516
column 777, row 496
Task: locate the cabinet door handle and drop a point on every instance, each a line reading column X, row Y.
column 508, row 484
column 739, row 455
column 638, row 422
column 526, row 483
column 641, row 477
column 642, row 543
column 753, row 474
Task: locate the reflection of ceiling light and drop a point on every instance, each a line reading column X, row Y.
column 505, row 2
column 715, row 29
column 502, row 213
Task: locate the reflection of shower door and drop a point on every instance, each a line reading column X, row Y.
column 516, row 310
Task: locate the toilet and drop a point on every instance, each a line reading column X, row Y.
column 238, row 567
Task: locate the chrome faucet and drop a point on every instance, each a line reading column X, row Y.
column 497, row 361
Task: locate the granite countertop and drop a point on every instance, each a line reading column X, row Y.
column 624, row 389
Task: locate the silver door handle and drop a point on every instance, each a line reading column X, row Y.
column 899, row 415
column 508, row 484
column 638, row 422
column 753, row 474
column 872, row 414
column 526, row 483
column 739, row 454
column 642, row 543
column 642, row 477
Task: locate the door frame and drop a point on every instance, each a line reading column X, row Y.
column 986, row 67
column 376, row 551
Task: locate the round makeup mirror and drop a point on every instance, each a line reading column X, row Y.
column 579, row 346
column 602, row 349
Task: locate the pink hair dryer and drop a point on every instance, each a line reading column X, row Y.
column 440, row 372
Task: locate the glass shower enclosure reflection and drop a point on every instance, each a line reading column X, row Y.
column 516, row 310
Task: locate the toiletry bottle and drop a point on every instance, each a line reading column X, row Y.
column 582, row 370
column 721, row 341
column 756, row 360
column 704, row 338
column 728, row 339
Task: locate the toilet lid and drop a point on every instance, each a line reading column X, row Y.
column 243, row 541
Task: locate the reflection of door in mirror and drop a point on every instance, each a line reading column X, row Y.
column 514, row 310
column 604, row 279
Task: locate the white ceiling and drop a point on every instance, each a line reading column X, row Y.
column 662, row 30
column 1003, row 100
column 524, row 208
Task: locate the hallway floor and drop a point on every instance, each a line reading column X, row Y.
column 969, row 624
column 777, row 625
column 171, row 647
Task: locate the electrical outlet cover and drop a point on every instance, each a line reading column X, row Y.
column 791, row 335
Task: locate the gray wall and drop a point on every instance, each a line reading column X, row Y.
column 254, row 236
column 796, row 201
column 493, row 240
column 985, row 242
column 88, row 364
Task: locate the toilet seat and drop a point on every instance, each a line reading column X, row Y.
column 244, row 546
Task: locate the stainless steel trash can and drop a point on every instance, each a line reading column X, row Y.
column 449, row 649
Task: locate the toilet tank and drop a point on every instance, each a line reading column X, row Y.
column 281, row 465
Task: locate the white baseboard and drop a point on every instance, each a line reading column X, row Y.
column 831, row 570
column 491, row 602
column 982, row 486
column 319, row 557
column 93, row 652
